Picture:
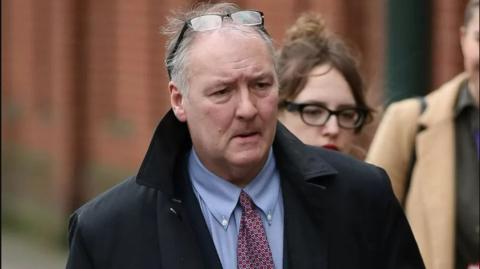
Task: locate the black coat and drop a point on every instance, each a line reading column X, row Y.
column 339, row 213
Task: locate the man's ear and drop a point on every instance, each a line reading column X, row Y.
column 176, row 101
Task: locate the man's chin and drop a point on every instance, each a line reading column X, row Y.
column 249, row 157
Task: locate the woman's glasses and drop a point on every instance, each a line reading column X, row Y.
column 318, row 115
column 214, row 21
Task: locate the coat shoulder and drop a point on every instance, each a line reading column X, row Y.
column 117, row 229
column 117, row 207
column 355, row 175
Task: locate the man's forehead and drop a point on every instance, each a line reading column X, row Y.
column 226, row 33
column 227, row 41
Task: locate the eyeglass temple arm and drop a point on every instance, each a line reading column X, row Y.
column 180, row 37
column 174, row 50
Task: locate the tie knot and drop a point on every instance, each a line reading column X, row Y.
column 246, row 202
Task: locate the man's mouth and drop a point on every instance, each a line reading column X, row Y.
column 247, row 136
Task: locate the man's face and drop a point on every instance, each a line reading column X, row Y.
column 469, row 41
column 231, row 105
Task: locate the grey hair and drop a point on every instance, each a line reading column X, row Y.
column 469, row 11
column 179, row 62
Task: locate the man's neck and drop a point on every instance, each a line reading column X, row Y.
column 239, row 175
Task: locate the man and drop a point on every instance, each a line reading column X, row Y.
column 442, row 195
column 223, row 185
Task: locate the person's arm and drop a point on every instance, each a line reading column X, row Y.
column 78, row 257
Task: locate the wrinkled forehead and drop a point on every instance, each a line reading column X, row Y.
column 230, row 52
column 229, row 39
column 231, row 30
column 473, row 22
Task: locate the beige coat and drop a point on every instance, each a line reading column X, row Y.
column 430, row 205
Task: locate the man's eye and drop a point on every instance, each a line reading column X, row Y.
column 262, row 85
column 220, row 92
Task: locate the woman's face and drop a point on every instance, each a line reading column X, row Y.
column 326, row 86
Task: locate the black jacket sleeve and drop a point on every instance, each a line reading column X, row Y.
column 398, row 246
column 78, row 257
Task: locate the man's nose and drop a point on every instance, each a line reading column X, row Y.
column 331, row 127
column 246, row 107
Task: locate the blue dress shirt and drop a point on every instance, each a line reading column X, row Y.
column 218, row 199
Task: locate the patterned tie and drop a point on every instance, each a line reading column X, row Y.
column 253, row 251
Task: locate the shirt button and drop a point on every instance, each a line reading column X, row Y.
column 269, row 218
column 224, row 222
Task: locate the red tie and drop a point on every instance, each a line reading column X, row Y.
column 253, row 251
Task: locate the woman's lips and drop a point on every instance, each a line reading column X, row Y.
column 331, row 146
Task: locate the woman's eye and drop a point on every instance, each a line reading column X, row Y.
column 349, row 114
column 314, row 111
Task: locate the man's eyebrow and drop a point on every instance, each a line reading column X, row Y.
column 263, row 75
column 222, row 81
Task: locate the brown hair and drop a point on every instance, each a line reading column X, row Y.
column 309, row 44
column 469, row 11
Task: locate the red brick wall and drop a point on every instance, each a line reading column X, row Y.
column 84, row 81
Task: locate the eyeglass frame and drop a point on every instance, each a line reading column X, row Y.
column 188, row 24
column 299, row 107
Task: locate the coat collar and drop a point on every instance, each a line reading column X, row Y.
column 169, row 144
column 304, row 175
column 435, row 174
column 171, row 141
column 442, row 102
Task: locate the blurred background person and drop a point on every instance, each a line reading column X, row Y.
column 322, row 99
column 432, row 157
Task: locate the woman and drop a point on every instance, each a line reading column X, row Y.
column 321, row 91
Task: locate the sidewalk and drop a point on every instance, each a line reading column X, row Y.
column 18, row 252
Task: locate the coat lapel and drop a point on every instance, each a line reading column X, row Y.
column 187, row 242
column 194, row 217
column 304, row 176
column 305, row 242
column 436, row 185
column 177, row 244
column 435, row 175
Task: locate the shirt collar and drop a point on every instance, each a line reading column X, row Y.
column 221, row 196
column 464, row 100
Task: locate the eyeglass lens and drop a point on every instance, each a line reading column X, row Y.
column 206, row 22
column 318, row 116
column 214, row 21
column 247, row 17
